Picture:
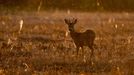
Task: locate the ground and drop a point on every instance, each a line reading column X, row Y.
column 43, row 47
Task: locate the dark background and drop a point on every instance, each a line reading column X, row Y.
column 78, row 5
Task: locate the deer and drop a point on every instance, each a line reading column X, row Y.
column 81, row 39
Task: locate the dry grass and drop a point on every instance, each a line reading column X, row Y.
column 41, row 48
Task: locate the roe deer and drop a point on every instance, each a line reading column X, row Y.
column 81, row 39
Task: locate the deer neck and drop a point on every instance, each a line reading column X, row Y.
column 73, row 33
column 71, row 30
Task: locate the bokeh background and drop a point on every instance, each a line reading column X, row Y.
column 79, row 5
column 34, row 39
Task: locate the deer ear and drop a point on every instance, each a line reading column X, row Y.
column 65, row 20
column 75, row 21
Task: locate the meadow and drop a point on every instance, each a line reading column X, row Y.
column 43, row 45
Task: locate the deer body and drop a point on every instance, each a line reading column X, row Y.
column 81, row 39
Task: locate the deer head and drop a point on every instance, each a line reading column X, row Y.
column 70, row 23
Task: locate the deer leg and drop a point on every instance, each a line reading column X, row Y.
column 92, row 51
column 77, row 49
column 82, row 50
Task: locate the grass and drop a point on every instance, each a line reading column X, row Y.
column 42, row 47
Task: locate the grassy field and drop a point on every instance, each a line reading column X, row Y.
column 43, row 48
